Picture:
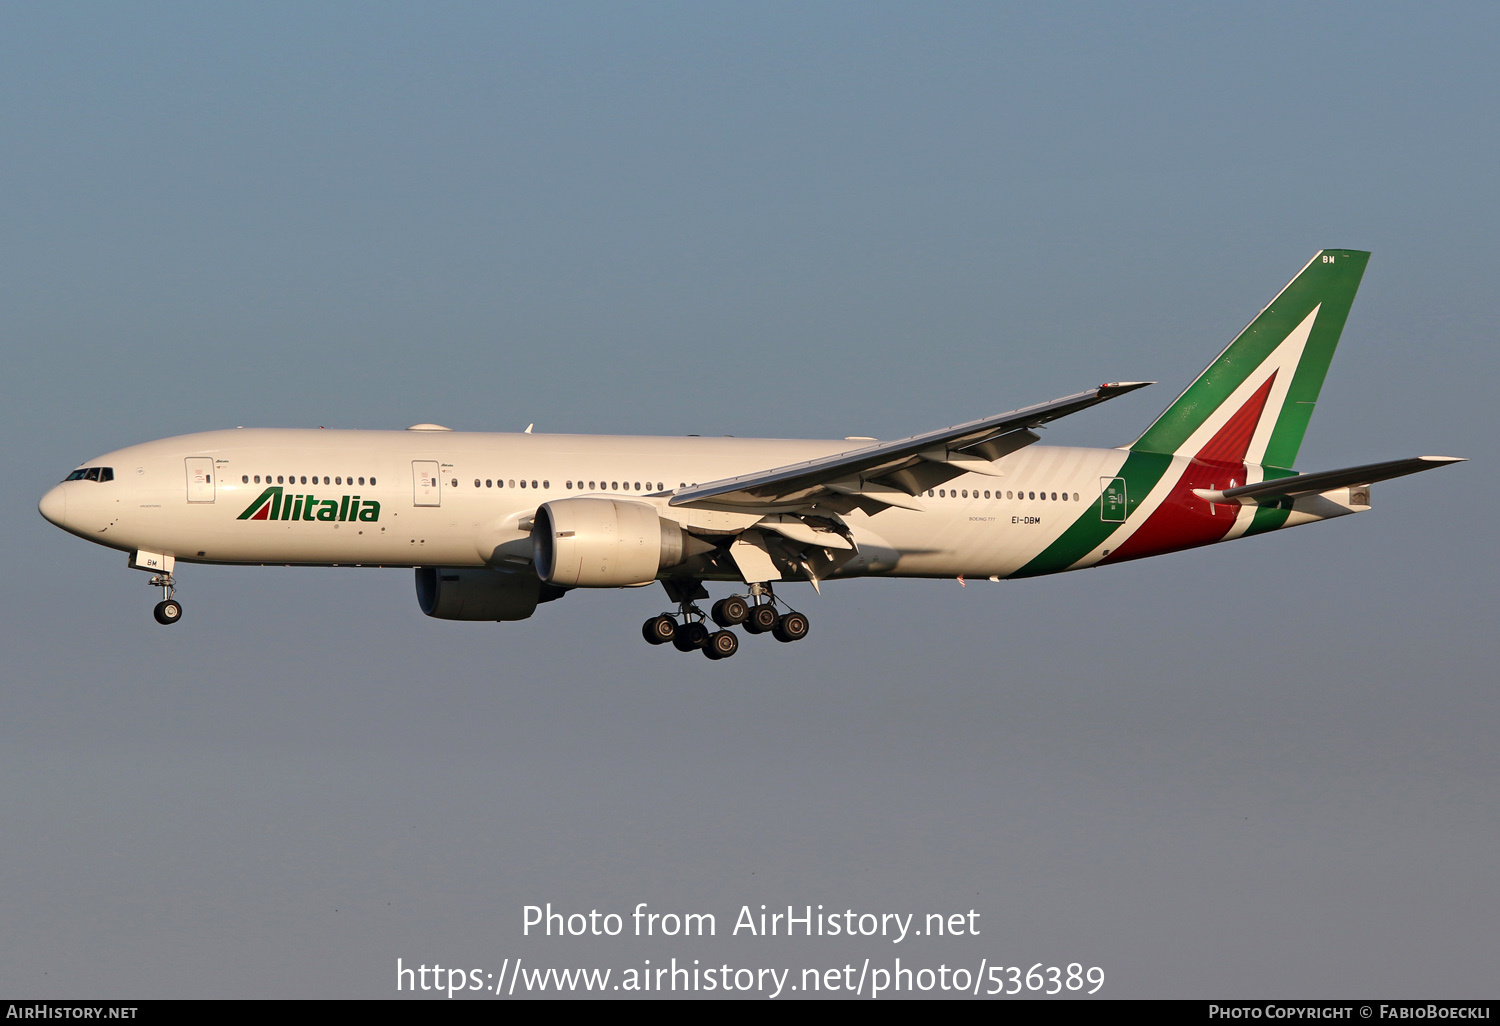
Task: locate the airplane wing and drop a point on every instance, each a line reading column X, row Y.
column 1312, row 484
column 874, row 477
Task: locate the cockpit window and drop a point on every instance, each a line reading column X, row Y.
column 92, row 474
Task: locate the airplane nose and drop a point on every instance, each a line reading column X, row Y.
column 54, row 506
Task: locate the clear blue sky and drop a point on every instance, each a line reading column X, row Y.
column 1262, row 770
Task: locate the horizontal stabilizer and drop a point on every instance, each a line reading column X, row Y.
column 1313, row 484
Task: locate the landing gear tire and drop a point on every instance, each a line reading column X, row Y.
column 791, row 627
column 731, row 611
column 762, row 619
column 689, row 636
column 167, row 612
column 721, row 645
column 659, row 629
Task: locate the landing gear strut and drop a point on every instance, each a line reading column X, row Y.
column 691, row 633
column 168, row 611
column 687, row 630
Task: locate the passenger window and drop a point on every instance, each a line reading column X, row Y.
column 1054, row 496
column 533, row 484
column 545, row 483
column 523, row 482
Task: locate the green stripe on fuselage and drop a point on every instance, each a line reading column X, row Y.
column 1269, row 518
column 1141, row 471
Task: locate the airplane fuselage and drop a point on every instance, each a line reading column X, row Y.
column 449, row 498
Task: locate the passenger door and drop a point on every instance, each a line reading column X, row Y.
column 427, row 487
column 200, row 479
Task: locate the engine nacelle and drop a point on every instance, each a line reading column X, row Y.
column 605, row 543
column 453, row 593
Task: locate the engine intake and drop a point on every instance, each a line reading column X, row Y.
column 606, row 543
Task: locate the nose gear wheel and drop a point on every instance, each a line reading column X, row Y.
column 168, row 611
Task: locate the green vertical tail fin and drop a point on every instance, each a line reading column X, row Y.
column 1269, row 376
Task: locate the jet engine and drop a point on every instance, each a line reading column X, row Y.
column 452, row 593
column 606, row 543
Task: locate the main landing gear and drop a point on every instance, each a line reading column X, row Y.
column 168, row 611
column 687, row 630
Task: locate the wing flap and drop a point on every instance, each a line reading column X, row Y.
column 894, row 473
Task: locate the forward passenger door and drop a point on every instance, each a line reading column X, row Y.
column 200, row 479
column 427, row 486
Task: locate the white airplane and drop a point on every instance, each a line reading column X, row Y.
column 495, row 524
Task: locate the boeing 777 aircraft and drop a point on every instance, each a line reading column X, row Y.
column 496, row 524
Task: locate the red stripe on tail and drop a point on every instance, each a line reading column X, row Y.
column 1183, row 520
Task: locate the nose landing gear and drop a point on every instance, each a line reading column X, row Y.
column 168, row 611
